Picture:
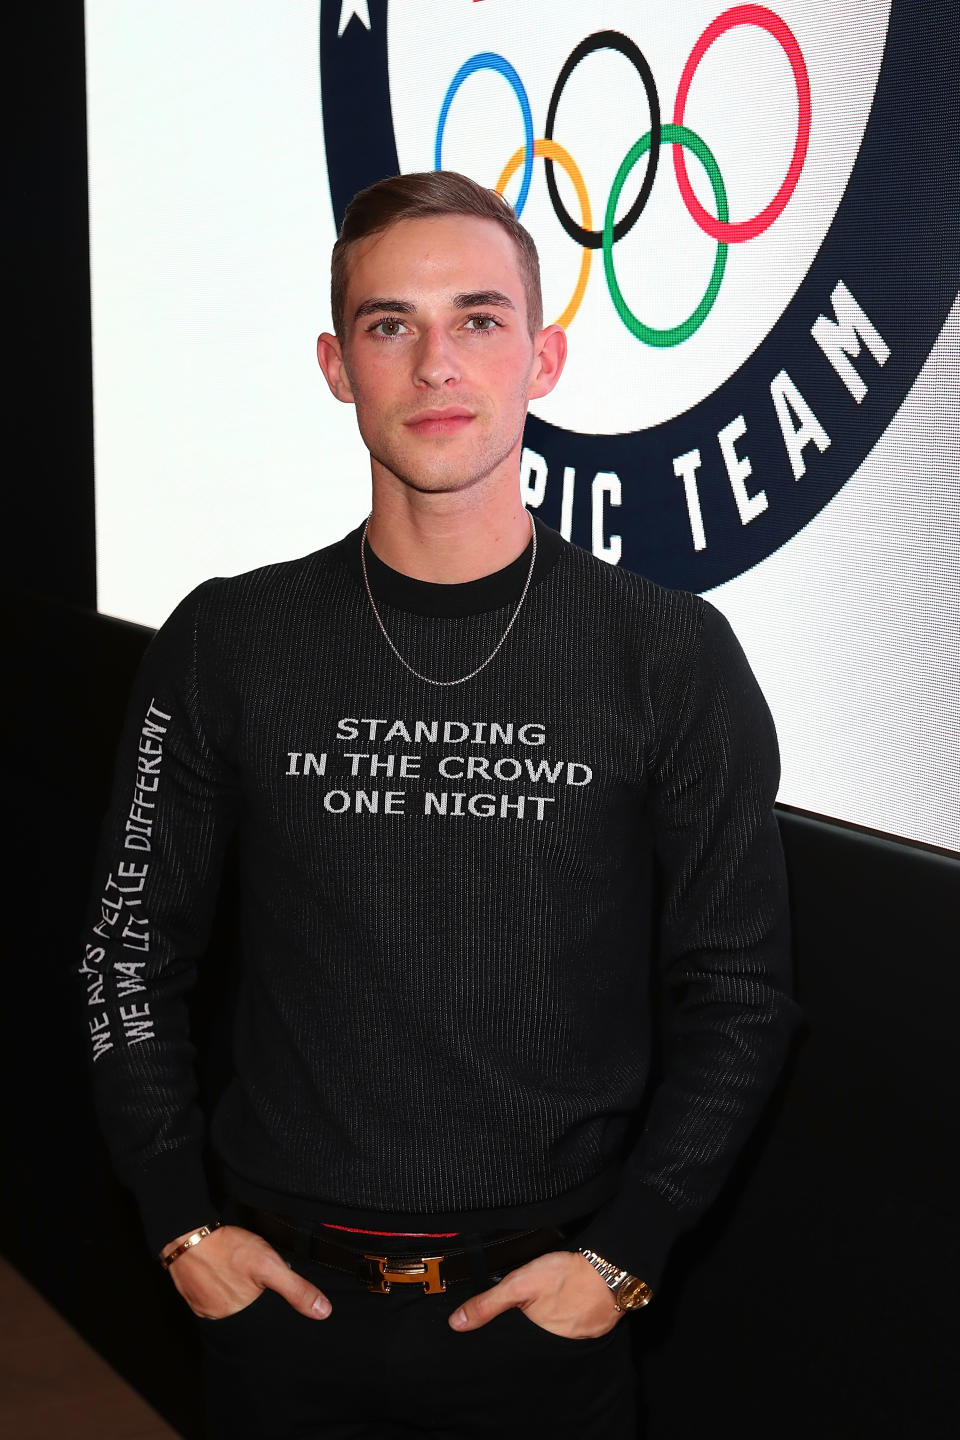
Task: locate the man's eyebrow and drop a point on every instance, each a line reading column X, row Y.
column 471, row 298
column 467, row 300
column 375, row 305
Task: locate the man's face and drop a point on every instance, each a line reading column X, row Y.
column 436, row 353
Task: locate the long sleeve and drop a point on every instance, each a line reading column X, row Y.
column 724, row 952
column 172, row 810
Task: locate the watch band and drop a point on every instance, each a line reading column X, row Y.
column 610, row 1274
column 629, row 1293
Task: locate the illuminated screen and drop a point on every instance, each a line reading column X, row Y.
column 746, row 218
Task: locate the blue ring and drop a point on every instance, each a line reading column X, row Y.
column 489, row 61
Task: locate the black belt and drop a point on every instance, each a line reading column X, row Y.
column 378, row 1272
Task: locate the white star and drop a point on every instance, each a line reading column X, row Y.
column 351, row 8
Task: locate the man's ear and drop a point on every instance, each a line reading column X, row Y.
column 551, row 353
column 330, row 356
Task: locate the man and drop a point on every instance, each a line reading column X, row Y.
column 462, row 756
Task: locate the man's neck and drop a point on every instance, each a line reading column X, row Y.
column 448, row 539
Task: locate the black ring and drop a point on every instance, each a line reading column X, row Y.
column 606, row 40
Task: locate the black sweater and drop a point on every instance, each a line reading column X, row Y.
column 453, row 902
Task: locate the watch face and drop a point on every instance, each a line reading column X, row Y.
column 633, row 1293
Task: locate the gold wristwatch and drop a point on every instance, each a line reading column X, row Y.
column 629, row 1293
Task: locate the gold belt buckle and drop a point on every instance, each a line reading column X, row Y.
column 425, row 1270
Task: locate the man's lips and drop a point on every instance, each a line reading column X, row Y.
column 446, row 421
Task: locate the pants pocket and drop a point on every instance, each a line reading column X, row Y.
column 536, row 1333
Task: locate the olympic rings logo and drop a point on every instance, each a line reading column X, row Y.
column 719, row 227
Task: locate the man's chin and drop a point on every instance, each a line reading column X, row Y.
column 441, row 484
column 436, row 474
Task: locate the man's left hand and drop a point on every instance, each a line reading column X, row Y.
column 560, row 1292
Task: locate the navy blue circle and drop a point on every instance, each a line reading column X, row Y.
column 893, row 243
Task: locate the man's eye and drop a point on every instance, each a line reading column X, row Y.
column 482, row 323
column 389, row 327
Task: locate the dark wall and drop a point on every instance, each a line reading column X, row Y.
column 48, row 495
column 816, row 1298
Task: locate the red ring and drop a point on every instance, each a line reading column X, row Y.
column 745, row 229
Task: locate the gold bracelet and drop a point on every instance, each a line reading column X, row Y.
column 167, row 1260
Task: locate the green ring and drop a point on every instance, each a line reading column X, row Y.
column 676, row 135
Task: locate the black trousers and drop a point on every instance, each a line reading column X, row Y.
column 385, row 1366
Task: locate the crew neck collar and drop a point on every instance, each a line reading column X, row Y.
column 470, row 597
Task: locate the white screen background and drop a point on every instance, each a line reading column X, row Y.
column 218, row 447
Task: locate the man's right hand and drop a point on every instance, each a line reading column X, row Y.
column 231, row 1267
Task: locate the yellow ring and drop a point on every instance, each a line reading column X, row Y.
column 550, row 150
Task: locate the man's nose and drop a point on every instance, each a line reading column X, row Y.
column 437, row 362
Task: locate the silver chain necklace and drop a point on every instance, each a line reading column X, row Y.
column 376, row 612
